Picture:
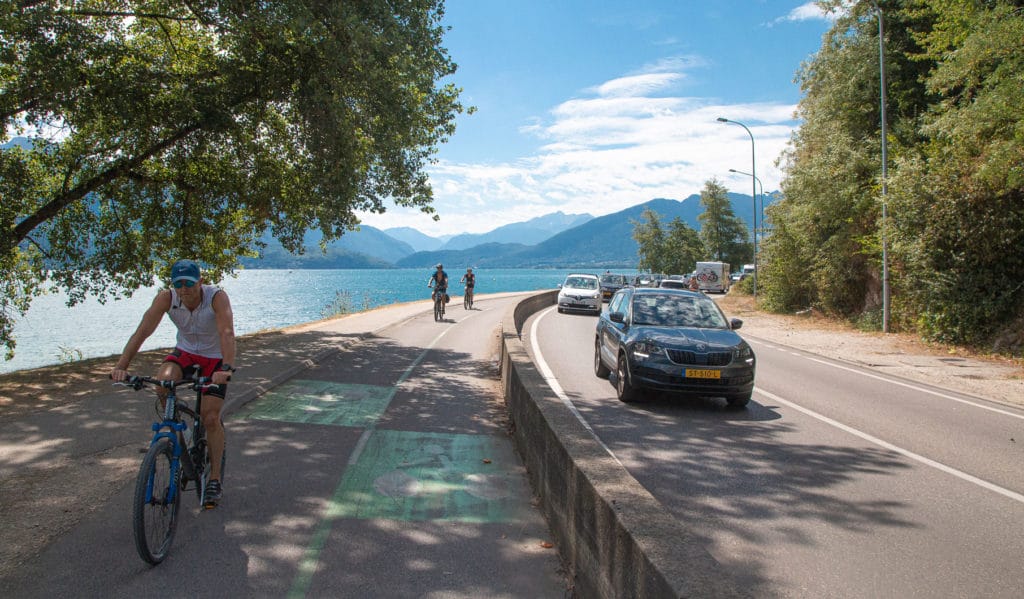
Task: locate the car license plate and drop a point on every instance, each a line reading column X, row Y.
column 697, row 373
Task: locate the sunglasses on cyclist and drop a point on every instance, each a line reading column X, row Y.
column 184, row 283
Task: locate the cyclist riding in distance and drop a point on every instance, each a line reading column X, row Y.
column 439, row 281
column 205, row 346
column 469, row 280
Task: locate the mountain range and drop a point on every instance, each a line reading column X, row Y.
column 555, row 240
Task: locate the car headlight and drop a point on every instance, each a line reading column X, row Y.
column 645, row 349
column 743, row 353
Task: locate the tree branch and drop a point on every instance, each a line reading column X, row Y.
column 123, row 14
column 118, row 169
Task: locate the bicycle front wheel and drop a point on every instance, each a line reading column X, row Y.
column 438, row 310
column 156, row 503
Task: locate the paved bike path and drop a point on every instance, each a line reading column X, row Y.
column 373, row 463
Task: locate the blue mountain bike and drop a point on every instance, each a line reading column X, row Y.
column 176, row 456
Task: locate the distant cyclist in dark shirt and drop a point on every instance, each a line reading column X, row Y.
column 469, row 280
column 439, row 281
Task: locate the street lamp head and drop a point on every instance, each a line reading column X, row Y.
column 722, row 119
column 732, row 170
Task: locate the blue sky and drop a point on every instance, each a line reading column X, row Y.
column 594, row 106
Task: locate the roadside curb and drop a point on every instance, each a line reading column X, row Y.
column 615, row 538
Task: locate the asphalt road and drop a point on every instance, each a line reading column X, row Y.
column 834, row 482
column 383, row 471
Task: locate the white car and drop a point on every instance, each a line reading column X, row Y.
column 580, row 293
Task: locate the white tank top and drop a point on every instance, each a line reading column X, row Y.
column 197, row 329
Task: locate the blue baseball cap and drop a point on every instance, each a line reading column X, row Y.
column 185, row 270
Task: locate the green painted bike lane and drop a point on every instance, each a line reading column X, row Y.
column 398, row 475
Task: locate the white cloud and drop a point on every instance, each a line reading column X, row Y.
column 808, row 11
column 634, row 84
column 622, row 144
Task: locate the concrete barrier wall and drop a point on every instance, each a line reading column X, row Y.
column 614, row 537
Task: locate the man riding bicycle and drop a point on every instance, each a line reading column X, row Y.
column 469, row 280
column 439, row 281
column 205, row 346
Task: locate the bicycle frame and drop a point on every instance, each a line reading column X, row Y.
column 439, row 295
column 155, row 508
column 173, row 428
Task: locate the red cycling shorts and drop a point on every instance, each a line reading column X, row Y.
column 204, row 366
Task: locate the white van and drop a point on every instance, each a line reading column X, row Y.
column 713, row 276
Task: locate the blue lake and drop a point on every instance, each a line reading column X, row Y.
column 51, row 332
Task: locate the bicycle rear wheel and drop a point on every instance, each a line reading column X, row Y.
column 155, row 504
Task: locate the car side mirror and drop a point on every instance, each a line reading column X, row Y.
column 617, row 317
column 735, row 323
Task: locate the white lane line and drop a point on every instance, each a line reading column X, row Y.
column 910, row 386
column 357, row 451
column 549, row 377
column 904, row 452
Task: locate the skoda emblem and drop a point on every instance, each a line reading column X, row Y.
column 701, row 346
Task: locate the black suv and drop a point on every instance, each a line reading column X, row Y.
column 610, row 283
column 672, row 340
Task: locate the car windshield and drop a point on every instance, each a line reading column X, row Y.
column 677, row 311
column 613, row 279
column 581, row 283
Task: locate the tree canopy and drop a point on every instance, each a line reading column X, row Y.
column 672, row 250
column 722, row 232
column 954, row 72
column 166, row 129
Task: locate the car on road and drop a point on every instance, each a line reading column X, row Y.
column 673, row 284
column 580, row 293
column 610, row 283
column 672, row 340
column 648, row 280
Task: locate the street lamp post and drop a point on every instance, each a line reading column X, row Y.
column 753, row 191
column 885, row 216
column 760, row 188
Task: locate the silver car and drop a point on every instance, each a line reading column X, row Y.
column 580, row 293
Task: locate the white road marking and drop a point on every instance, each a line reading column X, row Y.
column 552, row 382
column 909, row 386
column 365, row 437
column 904, row 452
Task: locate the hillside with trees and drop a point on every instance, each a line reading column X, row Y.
column 955, row 185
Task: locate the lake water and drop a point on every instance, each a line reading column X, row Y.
column 52, row 333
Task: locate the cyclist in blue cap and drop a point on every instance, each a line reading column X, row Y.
column 205, row 346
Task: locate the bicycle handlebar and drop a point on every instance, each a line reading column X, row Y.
column 138, row 382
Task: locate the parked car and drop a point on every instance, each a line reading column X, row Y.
column 580, row 293
column 672, row 340
column 610, row 283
